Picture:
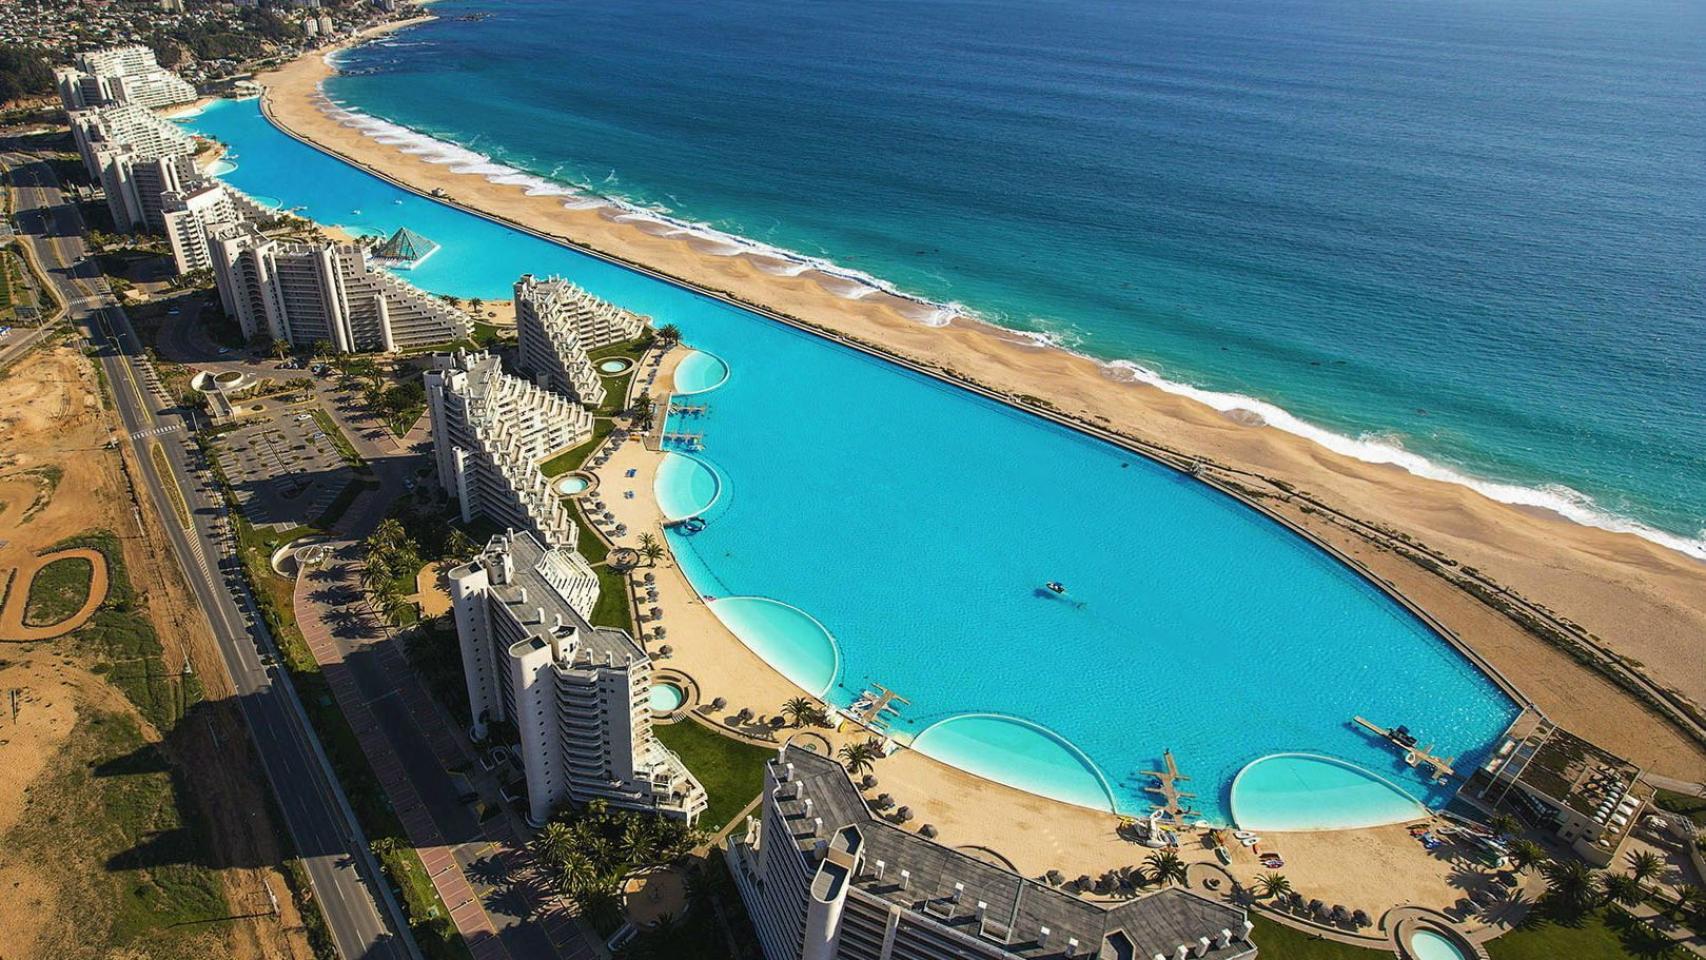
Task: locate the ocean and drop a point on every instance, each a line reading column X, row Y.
column 1467, row 236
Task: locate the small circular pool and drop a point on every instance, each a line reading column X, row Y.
column 571, row 484
column 614, row 365
column 1429, row 945
column 221, row 167
column 1303, row 791
column 666, row 697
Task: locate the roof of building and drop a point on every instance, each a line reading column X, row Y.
column 526, row 554
column 1019, row 907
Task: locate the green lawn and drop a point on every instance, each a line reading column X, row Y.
column 616, row 388
column 1598, row 935
column 1681, row 804
column 611, row 610
column 572, row 458
column 345, row 448
column 58, row 590
column 731, row 772
column 1280, row 942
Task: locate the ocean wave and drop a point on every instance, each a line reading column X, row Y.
column 853, row 284
column 1571, row 504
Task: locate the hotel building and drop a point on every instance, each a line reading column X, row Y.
column 577, row 695
column 127, row 74
column 826, row 879
column 490, row 432
column 305, row 292
column 189, row 215
column 136, row 156
column 559, row 324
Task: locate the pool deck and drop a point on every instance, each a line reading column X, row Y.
column 1035, row 833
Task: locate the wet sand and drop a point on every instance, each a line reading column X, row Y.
column 1641, row 601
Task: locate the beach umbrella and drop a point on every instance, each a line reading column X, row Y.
column 867, row 781
column 651, row 578
column 719, row 703
column 660, row 633
column 928, row 831
column 1338, row 913
column 655, row 612
column 883, row 801
column 1316, row 907
column 665, row 650
column 1083, row 881
column 1360, row 918
column 1054, row 878
column 903, row 814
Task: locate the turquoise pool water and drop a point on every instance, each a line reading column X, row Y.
column 700, row 371
column 685, row 486
column 665, row 697
column 1293, row 791
column 614, row 365
column 571, row 484
column 1428, row 945
column 912, row 525
column 221, row 167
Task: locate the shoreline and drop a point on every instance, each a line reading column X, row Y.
column 996, row 362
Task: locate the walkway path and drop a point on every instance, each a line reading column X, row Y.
column 12, row 617
column 482, row 870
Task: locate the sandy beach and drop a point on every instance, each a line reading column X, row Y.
column 1642, row 602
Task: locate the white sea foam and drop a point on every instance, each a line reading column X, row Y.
column 1370, row 448
column 856, row 285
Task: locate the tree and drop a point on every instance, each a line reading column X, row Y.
column 653, row 552
column 389, row 532
column 860, row 757
column 1165, row 867
column 1272, row 885
column 1569, row 882
column 279, row 348
column 477, row 304
column 552, row 843
column 24, row 72
column 1506, row 825
column 321, row 349
column 458, row 545
column 799, row 711
column 1526, row 853
column 1621, row 888
column 669, row 335
column 1644, row 865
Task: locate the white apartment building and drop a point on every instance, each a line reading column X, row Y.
column 136, row 156
column 115, row 75
column 559, row 324
column 490, row 432
column 304, row 292
column 824, row 878
column 577, row 695
column 190, row 214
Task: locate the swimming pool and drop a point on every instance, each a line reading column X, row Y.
column 914, row 524
column 614, row 365
column 665, row 697
column 571, row 484
column 700, row 371
column 1300, row 791
column 1428, row 945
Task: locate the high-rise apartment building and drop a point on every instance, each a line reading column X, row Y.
column 558, row 325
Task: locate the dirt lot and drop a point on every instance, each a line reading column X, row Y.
column 118, row 837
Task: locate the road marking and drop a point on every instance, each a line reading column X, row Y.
column 157, row 431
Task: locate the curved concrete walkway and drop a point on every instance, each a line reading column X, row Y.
column 12, row 618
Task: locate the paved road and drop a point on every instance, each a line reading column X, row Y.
column 365, row 921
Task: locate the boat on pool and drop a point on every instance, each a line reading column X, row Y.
column 915, row 522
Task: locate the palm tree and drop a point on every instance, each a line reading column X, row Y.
column 321, row 349
column 477, row 304
column 1692, row 899
column 1272, row 885
column 1645, row 865
column 1506, row 825
column 1526, row 853
column 798, row 710
column 390, row 532
column 669, row 335
column 860, row 757
column 459, row 545
column 553, row 843
column 646, row 540
column 653, row 552
column 374, row 573
column 394, row 605
column 1165, row 867
column 1569, row 882
column 1621, row 888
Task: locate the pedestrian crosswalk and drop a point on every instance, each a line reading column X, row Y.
column 155, row 432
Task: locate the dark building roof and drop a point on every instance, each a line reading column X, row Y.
column 1016, row 908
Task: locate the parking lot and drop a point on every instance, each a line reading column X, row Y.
column 283, row 467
